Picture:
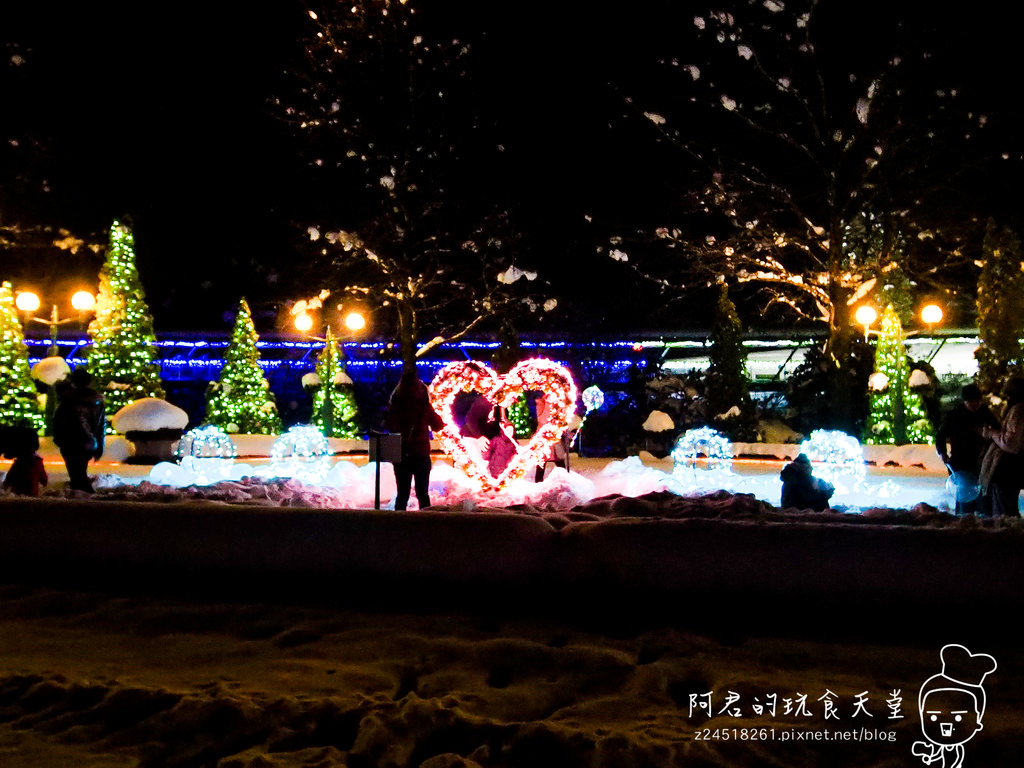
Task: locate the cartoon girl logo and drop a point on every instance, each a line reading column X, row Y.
column 952, row 704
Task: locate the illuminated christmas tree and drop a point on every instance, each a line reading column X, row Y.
column 519, row 417
column 897, row 414
column 19, row 403
column 241, row 401
column 122, row 358
column 334, row 404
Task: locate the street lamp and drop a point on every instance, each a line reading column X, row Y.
column 865, row 316
column 931, row 315
column 304, row 320
column 331, row 367
column 28, row 302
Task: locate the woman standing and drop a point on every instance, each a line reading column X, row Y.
column 1002, row 470
column 410, row 414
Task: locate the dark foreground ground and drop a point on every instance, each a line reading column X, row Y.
column 645, row 633
column 233, row 673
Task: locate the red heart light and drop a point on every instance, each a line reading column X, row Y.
column 552, row 380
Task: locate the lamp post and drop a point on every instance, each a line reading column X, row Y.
column 29, row 302
column 865, row 316
column 308, row 316
column 897, row 411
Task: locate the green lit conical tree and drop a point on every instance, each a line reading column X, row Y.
column 519, row 417
column 19, row 404
column 897, row 414
column 334, row 404
column 241, row 401
column 122, row 358
column 730, row 408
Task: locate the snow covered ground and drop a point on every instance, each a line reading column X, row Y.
column 289, row 675
column 350, row 483
column 896, row 477
column 125, row 680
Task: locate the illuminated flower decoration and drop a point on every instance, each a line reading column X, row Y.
column 552, row 380
column 706, row 442
column 878, row 382
column 208, row 442
column 206, row 454
column 840, row 455
column 303, row 453
column 593, row 398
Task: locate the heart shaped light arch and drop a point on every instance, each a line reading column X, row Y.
column 551, row 379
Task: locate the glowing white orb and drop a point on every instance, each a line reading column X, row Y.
column 206, row 442
column 206, row 454
column 355, row 321
column 303, row 453
column 931, row 314
column 593, row 398
column 866, row 315
column 27, row 301
column 83, row 301
column 706, row 442
column 840, row 455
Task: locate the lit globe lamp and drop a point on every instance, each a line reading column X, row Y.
column 931, row 315
column 29, row 302
column 333, row 403
column 866, row 316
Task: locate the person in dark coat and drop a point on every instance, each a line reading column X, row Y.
column 1002, row 468
column 960, row 443
column 411, row 415
column 79, row 427
column 801, row 489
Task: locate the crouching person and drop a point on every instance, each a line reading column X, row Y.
column 801, row 489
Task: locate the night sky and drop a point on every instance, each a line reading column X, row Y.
column 165, row 118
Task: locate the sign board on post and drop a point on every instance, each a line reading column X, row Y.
column 384, row 446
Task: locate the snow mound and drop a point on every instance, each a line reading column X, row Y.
column 50, row 370
column 149, row 415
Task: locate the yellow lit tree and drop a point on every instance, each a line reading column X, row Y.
column 241, row 401
column 334, row 404
column 897, row 414
column 19, row 404
column 122, row 358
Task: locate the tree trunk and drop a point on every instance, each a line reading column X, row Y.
column 407, row 332
column 838, row 353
